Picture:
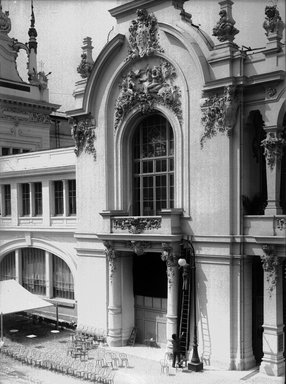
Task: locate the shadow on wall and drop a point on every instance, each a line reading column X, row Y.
column 202, row 303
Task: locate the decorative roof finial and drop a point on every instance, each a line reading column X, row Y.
column 5, row 22
column 32, row 47
column 225, row 29
column 32, row 31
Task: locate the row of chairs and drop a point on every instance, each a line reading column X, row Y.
column 98, row 334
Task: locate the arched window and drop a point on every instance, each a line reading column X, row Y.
column 153, row 166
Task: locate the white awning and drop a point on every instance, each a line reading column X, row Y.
column 15, row 298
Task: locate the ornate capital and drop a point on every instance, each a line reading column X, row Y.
column 136, row 224
column 224, row 29
column 111, row 257
column 273, row 22
column 171, row 262
column 219, row 113
column 139, row 247
column 143, row 38
column 281, row 223
column 83, row 133
column 273, row 148
column 144, row 88
column 270, row 262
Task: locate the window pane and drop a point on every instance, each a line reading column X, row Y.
column 38, row 199
column 63, row 284
column 5, row 151
column 72, row 197
column 59, row 197
column 7, row 267
column 25, row 199
column 33, row 270
column 7, row 200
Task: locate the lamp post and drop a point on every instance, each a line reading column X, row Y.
column 195, row 363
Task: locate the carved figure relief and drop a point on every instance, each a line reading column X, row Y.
column 83, row 133
column 273, row 22
column 136, row 224
column 143, row 38
column 225, row 29
column 5, row 22
column 273, row 148
column 145, row 87
column 270, row 263
column 219, row 113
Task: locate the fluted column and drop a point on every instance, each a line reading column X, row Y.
column 273, row 336
column 171, row 257
column 273, row 150
column 114, row 334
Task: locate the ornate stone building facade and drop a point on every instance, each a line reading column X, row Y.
column 180, row 139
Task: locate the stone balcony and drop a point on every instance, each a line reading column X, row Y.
column 265, row 227
column 118, row 225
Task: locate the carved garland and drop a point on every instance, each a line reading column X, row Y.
column 145, row 87
column 136, row 225
column 83, row 133
column 270, row 262
column 219, row 114
column 171, row 262
column 143, row 38
column 273, row 148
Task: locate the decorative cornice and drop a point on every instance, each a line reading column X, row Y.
column 10, row 113
column 273, row 148
column 143, row 38
column 270, row 263
column 219, row 113
column 136, row 224
column 83, row 133
column 139, row 247
column 146, row 87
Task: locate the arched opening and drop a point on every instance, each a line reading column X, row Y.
column 153, row 166
column 254, row 169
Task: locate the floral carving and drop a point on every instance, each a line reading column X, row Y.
column 270, row 263
column 139, row 247
column 171, row 262
column 273, row 22
column 145, row 87
column 85, row 67
column 273, row 148
column 281, row 224
column 137, row 224
column 271, row 92
column 219, row 113
column 143, row 38
column 111, row 257
column 83, row 133
column 225, row 29
column 5, row 22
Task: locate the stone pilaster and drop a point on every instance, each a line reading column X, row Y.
column 273, row 337
column 114, row 334
column 169, row 255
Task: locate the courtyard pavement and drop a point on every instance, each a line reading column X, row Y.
column 144, row 365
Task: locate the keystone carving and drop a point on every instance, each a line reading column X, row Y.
column 145, row 87
column 139, row 247
column 143, row 38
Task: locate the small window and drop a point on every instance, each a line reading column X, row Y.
column 59, row 197
column 26, row 209
column 15, row 151
column 72, row 197
column 5, row 151
column 38, row 199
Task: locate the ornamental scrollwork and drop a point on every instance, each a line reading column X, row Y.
column 139, row 247
column 143, row 38
column 273, row 22
column 273, row 148
column 225, row 29
column 270, row 263
column 111, row 257
column 85, row 67
column 145, row 87
column 281, row 224
column 136, row 224
column 219, row 113
column 83, row 133
column 171, row 262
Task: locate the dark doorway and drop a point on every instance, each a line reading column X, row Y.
column 257, row 309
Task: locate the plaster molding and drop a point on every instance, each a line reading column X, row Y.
column 136, row 224
column 83, row 133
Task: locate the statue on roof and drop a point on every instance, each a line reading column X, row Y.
column 5, row 22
